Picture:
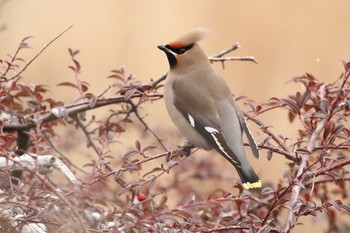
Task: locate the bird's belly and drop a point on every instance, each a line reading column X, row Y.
column 190, row 133
column 183, row 125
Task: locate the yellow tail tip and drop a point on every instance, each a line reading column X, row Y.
column 252, row 185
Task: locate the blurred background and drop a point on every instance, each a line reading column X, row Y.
column 287, row 38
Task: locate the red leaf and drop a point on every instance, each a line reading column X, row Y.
column 70, row 52
column 137, row 181
column 305, row 97
column 68, row 84
column 163, row 201
column 291, row 116
column 118, row 174
column 156, row 169
column 328, row 129
column 312, row 86
column 84, row 88
column 19, row 59
column 72, row 68
column 77, row 65
column 129, row 94
column 136, row 84
column 92, row 101
column 324, row 105
column 129, row 154
column 345, row 64
column 148, row 148
column 269, row 155
column 27, row 38
column 292, row 105
column 338, row 204
column 138, row 145
column 267, row 191
column 76, row 52
column 181, row 213
column 258, row 108
column 117, row 76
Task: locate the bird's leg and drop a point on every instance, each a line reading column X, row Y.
column 185, row 149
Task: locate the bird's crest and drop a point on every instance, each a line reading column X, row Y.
column 189, row 37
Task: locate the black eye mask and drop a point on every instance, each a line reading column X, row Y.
column 181, row 50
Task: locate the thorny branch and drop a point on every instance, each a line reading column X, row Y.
column 304, row 160
column 87, row 134
column 285, row 149
column 146, row 211
column 226, row 51
column 71, row 110
column 219, row 57
column 66, row 159
column 147, row 128
column 328, row 168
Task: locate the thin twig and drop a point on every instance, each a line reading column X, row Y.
column 157, row 81
column 277, row 151
column 62, row 155
column 331, row 167
column 147, row 128
column 65, row 200
column 226, row 51
column 219, row 57
column 224, row 229
column 105, row 91
column 326, row 180
column 38, row 54
column 288, row 153
column 57, row 192
column 150, row 158
column 239, row 58
column 87, row 134
column 304, row 160
column 71, row 110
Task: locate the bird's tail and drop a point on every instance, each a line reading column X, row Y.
column 248, row 177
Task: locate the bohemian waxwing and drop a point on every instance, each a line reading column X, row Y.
column 202, row 106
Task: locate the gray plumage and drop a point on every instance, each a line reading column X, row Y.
column 202, row 106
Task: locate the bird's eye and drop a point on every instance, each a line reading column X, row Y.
column 181, row 51
column 184, row 49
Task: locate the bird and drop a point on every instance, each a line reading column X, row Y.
column 201, row 105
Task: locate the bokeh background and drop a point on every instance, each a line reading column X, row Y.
column 288, row 38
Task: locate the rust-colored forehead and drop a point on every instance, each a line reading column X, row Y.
column 189, row 38
column 176, row 44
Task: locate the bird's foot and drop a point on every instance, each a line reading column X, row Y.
column 185, row 149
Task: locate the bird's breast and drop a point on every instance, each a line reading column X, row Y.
column 186, row 129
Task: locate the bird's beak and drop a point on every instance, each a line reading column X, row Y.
column 170, row 55
column 164, row 48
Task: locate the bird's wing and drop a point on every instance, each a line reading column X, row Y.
column 200, row 111
column 242, row 121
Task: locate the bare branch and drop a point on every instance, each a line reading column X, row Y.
column 330, row 167
column 62, row 155
column 287, row 152
column 304, row 160
column 87, row 134
column 219, row 57
column 240, row 58
column 15, row 214
column 219, row 229
column 147, row 128
column 71, row 110
column 226, row 51
column 30, row 161
column 38, row 54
